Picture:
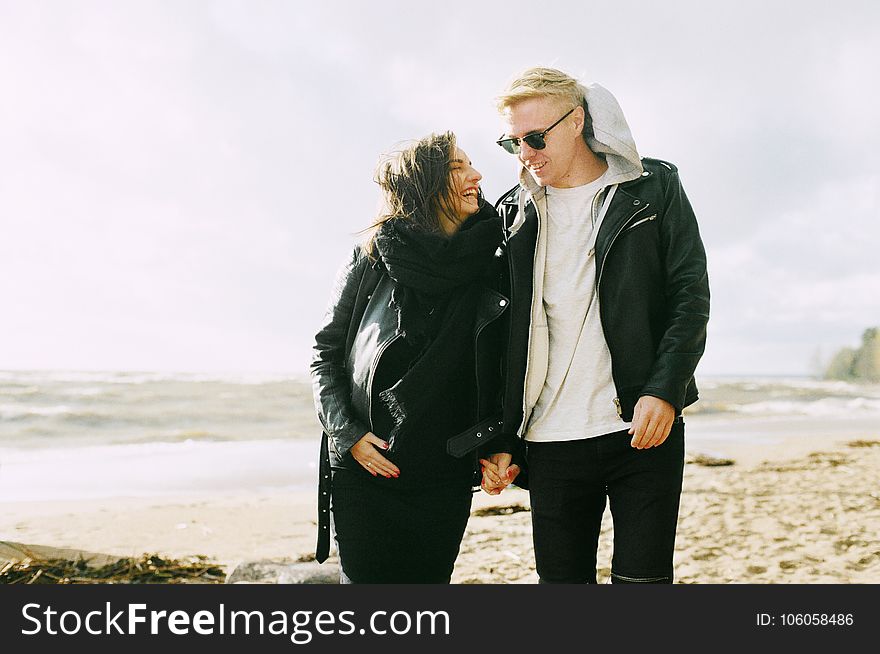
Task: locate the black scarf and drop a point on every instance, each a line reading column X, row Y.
column 439, row 281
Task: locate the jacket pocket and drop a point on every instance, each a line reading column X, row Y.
column 640, row 223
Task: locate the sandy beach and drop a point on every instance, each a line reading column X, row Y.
column 797, row 511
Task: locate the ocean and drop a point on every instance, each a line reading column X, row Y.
column 82, row 435
column 87, row 435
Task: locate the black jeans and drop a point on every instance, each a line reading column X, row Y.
column 568, row 485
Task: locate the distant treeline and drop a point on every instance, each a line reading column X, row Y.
column 860, row 364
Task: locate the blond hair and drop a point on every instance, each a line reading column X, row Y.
column 540, row 82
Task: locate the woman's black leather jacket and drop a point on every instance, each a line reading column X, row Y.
column 360, row 324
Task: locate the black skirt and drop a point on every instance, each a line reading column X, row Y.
column 408, row 529
column 387, row 535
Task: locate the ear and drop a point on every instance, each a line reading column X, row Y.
column 578, row 119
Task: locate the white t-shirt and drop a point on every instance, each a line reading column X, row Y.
column 577, row 399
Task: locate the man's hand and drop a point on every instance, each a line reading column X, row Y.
column 652, row 420
column 498, row 473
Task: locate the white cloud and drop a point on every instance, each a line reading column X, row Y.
column 178, row 181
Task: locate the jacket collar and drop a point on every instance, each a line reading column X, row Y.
column 629, row 201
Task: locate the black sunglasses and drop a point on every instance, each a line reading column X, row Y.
column 535, row 140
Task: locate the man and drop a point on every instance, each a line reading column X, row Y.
column 609, row 306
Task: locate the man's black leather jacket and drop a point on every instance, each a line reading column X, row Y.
column 652, row 286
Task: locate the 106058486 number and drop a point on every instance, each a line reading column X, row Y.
column 804, row 619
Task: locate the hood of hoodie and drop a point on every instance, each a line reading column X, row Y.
column 612, row 138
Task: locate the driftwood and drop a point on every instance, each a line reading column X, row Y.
column 709, row 461
column 509, row 509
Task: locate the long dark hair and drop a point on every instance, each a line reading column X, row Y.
column 416, row 185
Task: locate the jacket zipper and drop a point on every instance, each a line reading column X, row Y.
column 476, row 353
column 509, row 322
column 639, row 222
column 608, row 250
column 373, row 373
column 599, row 281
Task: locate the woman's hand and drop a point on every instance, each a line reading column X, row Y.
column 365, row 453
column 498, row 473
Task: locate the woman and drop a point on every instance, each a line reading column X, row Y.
column 408, row 357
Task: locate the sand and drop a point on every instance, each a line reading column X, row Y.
column 812, row 519
column 791, row 513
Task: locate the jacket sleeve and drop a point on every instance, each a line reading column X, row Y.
column 687, row 299
column 331, row 384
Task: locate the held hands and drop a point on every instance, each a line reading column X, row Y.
column 498, row 474
column 365, row 453
column 652, row 420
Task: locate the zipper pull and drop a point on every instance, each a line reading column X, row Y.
column 618, row 407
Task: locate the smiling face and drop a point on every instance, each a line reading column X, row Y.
column 430, row 183
column 559, row 163
column 464, row 186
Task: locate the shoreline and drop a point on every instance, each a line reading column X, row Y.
column 799, row 511
column 207, row 469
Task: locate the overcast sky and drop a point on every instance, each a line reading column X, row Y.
column 180, row 180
